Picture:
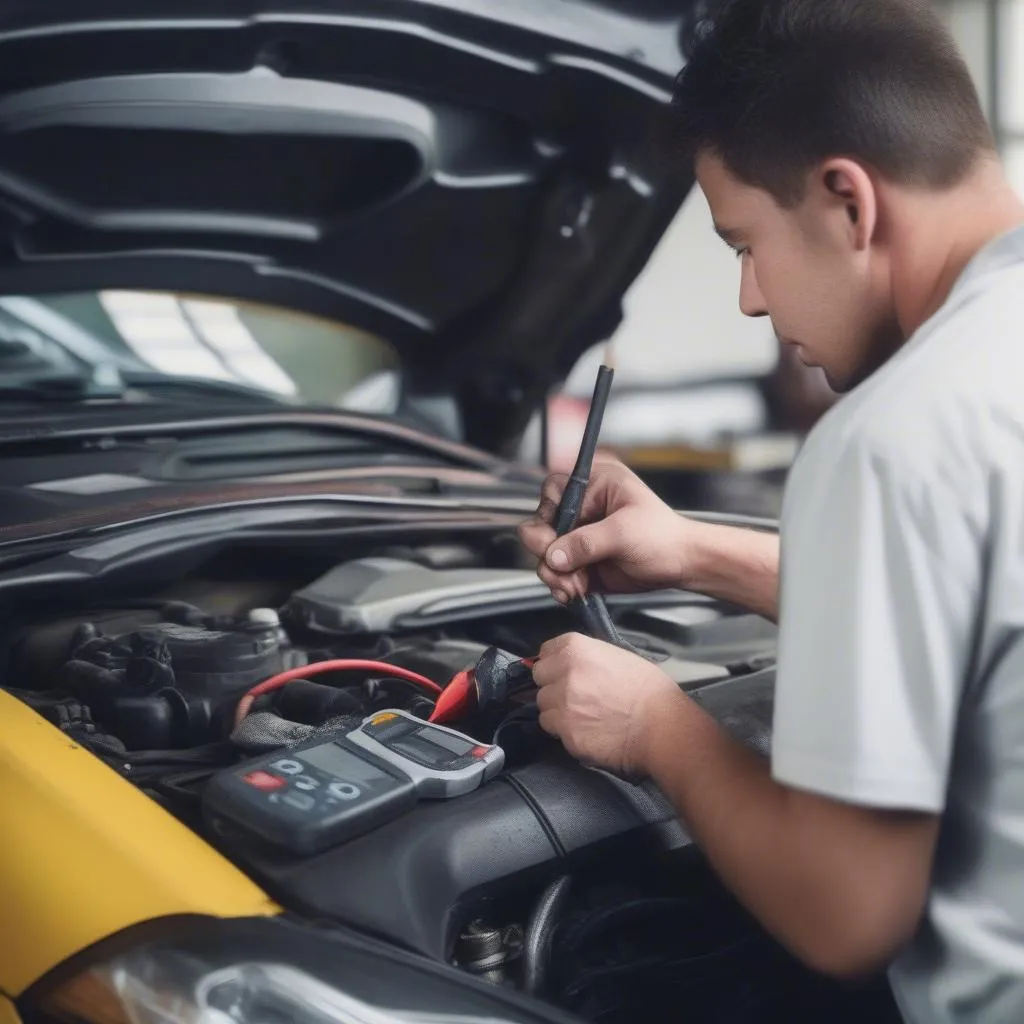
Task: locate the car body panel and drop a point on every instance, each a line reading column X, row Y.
column 72, row 826
column 78, row 473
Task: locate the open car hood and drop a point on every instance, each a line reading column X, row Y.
column 477, row 181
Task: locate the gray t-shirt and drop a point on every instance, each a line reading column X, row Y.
column 901, row 645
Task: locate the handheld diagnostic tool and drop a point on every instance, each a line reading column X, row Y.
column 337, row 786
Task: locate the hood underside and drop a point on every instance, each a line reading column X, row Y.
column 477, row 182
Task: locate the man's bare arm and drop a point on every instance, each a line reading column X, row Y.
column 843, row 887
column 736, row 565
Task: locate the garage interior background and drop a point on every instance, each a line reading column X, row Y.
column 682, row 323
column 682, row 319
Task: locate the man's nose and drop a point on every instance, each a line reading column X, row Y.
column 751, row 300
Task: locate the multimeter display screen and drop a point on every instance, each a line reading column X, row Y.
column 455, row 744
column 437, row 748
column 340, row 762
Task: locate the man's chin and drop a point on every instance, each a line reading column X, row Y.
column 846, row 383
column 840, row 385
column 808, row 363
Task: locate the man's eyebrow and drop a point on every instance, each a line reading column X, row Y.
column 728, row 235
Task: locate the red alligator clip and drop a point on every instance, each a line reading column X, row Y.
column 493, row 678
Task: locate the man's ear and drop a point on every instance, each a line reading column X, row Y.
column 849, row 190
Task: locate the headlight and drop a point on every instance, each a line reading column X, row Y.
column 263, row 973
column 169, row 989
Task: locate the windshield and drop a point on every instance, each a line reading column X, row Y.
column 289, row 356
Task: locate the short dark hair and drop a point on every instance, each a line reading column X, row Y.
column 773, row 87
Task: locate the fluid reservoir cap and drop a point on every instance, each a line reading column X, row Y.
column 264, row 617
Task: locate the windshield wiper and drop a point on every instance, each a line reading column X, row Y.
column 200, row 387
column 61, row 387
column 110, row 385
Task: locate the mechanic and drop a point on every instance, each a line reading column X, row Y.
column 845, row 157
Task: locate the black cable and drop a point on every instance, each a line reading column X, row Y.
column 143, row 765
column 600, row 623
column 539, row 932
column 527, row 715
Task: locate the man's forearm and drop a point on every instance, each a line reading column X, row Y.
column 832, row 882
column 736, row 565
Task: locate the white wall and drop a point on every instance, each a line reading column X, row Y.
column 971, row 25
column 968, row 21
column 1011, row 88
column 682, row 317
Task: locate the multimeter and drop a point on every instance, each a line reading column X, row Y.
column 343, row 784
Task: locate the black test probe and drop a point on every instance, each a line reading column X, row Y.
column 590, row 610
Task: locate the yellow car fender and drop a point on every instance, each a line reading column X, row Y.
column 85, row 854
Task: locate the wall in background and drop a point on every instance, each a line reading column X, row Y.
column 1008, row 40
column 681, row 317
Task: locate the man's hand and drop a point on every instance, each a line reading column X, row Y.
column 600, row 700
column 630, row 541
column 627, row 540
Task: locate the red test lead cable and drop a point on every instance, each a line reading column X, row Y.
column 339, row 665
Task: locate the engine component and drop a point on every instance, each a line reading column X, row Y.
column 673, row 935
column 629, row 948
column 436, row 556
column 71, row 717
column 704, row 625
column 540, row 931
column 312, row 703
column 436, row 659
column 378, row 595
column 487, row 951
column 171, row 684
column 743, row 707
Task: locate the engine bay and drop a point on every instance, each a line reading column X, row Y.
column 520, row 881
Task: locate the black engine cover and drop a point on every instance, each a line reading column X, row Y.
column 414, row 880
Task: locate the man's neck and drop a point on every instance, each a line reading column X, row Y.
column 938, row 234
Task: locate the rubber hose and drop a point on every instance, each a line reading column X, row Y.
column 539, row 932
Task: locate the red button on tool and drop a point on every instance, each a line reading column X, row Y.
column 478, row 751
column 263, row 780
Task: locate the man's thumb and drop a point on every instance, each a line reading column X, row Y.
column 584, row 546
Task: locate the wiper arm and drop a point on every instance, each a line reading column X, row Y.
column 384, row 430
column 113, row 385
column 61, row 387
column 200, row 387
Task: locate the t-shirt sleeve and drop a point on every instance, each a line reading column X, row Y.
column 879, row 591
